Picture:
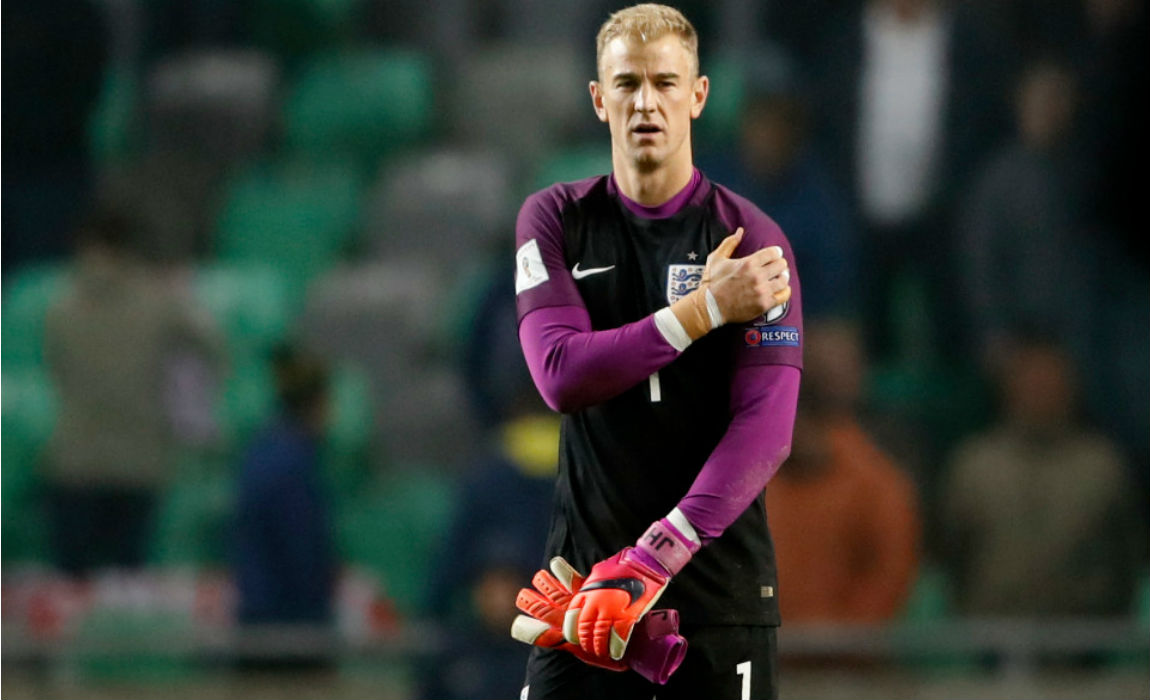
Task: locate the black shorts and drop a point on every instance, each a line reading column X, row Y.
column 722, row 663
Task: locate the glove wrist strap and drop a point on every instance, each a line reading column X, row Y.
column 670, row 542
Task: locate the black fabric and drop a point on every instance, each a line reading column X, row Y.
column 721, row 663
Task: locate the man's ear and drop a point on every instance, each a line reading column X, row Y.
column 597, row 100
column 699, row 92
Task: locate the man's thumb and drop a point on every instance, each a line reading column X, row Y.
column 727, row 247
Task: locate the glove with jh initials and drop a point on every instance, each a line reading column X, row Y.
column 622, row 589
column 656, row 648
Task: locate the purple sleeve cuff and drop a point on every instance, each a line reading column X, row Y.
column 757, row 442
column 575, row 367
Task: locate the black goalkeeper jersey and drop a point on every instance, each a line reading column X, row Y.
column 629, row 460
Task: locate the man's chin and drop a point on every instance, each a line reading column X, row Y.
column 646, row 161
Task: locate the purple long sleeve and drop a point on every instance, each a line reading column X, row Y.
column 575, row 367
column 763, row 399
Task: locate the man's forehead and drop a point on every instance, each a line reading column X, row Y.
column 627, row 54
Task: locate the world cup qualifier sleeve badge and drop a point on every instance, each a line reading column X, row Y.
column 682, row 280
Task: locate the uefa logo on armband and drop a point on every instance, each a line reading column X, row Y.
column 771, row 337
column 682, row 280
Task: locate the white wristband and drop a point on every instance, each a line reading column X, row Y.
column 713, row 310
column 673, row 332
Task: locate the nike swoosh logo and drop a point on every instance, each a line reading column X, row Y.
column 580, row 274
column 633, row 586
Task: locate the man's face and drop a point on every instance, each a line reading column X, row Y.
column 648, row 94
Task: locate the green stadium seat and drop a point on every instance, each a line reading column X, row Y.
column 111, row 128
column 247, row 400
column 350, row 435
column 192, row 522
column 28, row 415
column 250, row 304
column 294, row 216
column 28, row 293
column 126, row 645
column 929, row 600
column 575, row 163
column 363, row 104
column 719, row 124
column 394, row 531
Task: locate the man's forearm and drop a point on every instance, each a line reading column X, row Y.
column 575, row 367
column 757, row 442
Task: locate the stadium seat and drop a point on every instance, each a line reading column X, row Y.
column 385, row 319
column 129, row 645
column 193, row 521
column 929, row 600
column 28, row 417
column 521, row 99
column 442, row 203
column 363, row 104
column 28, row 293
column 295, row 216
column 719, row 124
column 573, row 163
column 219, row 103
column 393, row 530
column 351, row 434
column 246, row 401
column 112, row 129
column 250, row 304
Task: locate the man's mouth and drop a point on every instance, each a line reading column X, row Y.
column 646, row 129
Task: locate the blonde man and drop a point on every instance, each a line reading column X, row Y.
column 658, row 314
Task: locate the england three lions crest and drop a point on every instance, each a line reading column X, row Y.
column 682, row 280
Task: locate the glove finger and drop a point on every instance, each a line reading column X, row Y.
column 567, row 575
column 571, row 625
column 538, row 606
column 528, row 629
column 617, row 644
column 551, row 587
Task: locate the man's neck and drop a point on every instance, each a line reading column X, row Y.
column 654, row 187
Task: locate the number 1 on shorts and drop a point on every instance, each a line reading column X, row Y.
column 744, row 671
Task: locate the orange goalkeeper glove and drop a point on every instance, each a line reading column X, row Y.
column 656, row 649
column 622, row 589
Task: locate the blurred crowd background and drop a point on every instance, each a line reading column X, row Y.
column 267, row 431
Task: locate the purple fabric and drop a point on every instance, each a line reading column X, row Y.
column 659, row 211
column 575, row 367
column 763, row 400
column 664, row 545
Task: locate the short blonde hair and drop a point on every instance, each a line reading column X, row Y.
column 648, row 22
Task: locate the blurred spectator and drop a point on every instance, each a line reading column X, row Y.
column 844, row 519
column 504, row 503
column 481, row 660
column 1038, row 509
column 837, row 372
column 491, row 551
column 1024, row 256
column 117, row 345
column 911, row 101
column 54, row 59
column 285, row 567
column 775, row 168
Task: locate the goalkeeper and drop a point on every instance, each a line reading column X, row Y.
column 659, row 313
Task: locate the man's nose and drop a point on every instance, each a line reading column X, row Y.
column 645, row 98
